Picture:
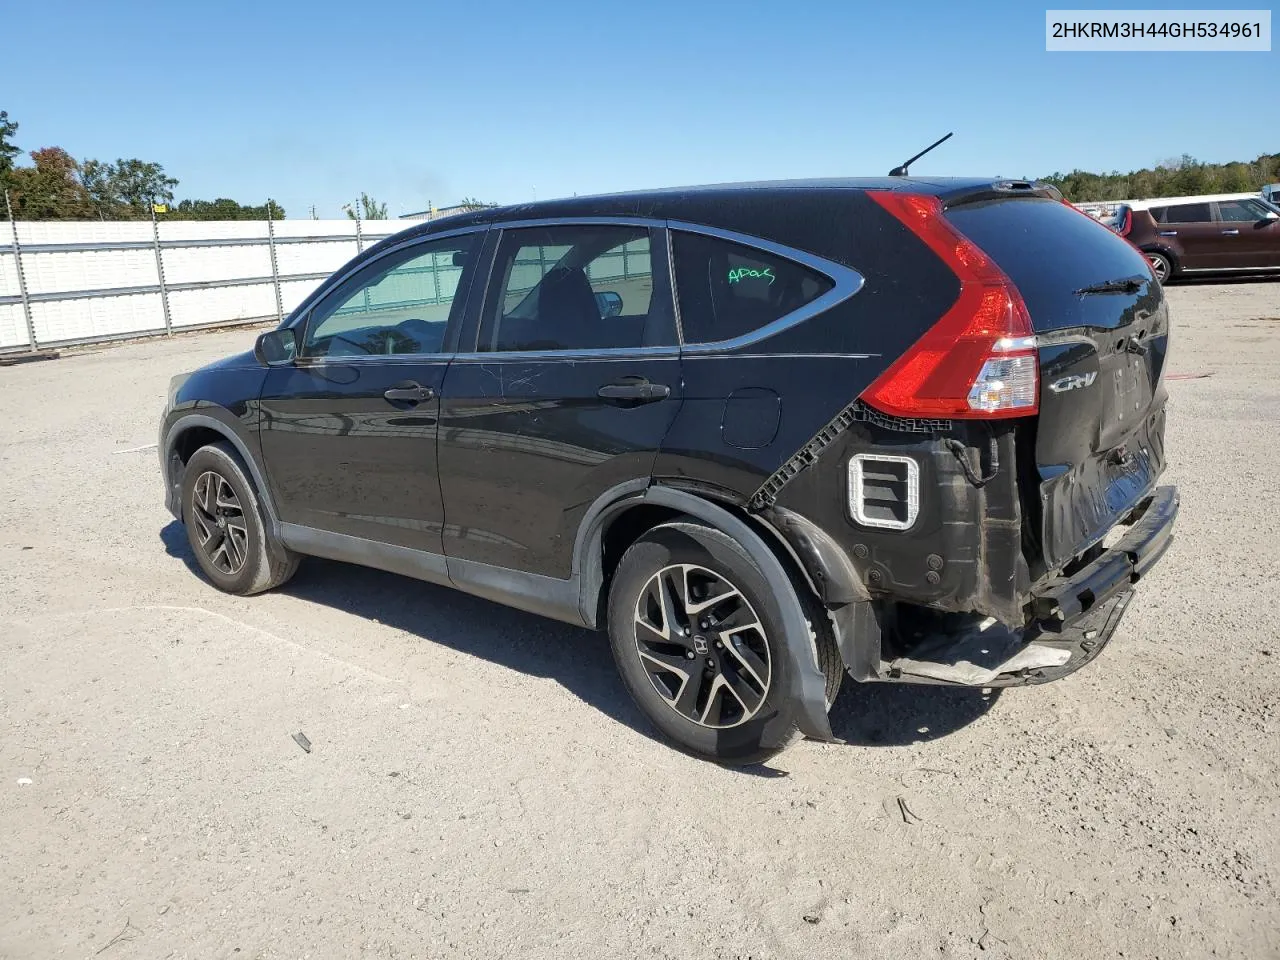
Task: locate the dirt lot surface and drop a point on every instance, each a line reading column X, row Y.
column 480, row 786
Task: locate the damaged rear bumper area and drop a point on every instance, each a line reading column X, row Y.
column 999, row 657
column 1072, row 617
column 1061, row 600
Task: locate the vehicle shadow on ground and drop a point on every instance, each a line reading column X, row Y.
column 896, row 714
column 580, row 659
column 1202, row 280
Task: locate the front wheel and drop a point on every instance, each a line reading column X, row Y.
column 225, row 525
column 697, row 636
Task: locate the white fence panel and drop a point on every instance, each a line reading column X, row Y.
column 292, row 294
column 13, row 326
column 66, row 272
column 222, row 305
column 8, row 269
column 210, row 264
column 91, row 280
column 316, row 228
column 88, row 319
column 211, row 230
column 313, row 257
column 80, row 232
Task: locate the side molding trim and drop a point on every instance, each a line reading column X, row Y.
column 546, row 596
column 369, row 553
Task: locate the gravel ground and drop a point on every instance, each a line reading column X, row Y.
column 480, row 786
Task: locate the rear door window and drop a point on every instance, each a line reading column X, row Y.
column 728, row 289
column 1187, row 213
column 574, row 287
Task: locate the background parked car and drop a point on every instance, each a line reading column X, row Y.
column 1226, row 232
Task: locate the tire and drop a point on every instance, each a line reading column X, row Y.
column 741, row 711
column 225, row 525
column 1161, row 265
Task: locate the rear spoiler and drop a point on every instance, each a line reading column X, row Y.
column 999, row 190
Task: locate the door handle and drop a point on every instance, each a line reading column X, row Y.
column 1168, row 233
column 411, row 392
column 635, row 389
column 1231, row 233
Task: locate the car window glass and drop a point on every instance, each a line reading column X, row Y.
column 726, row 289
column 576, row 287
column 1241, row 211
column 1188, row 213
column 531, row 265
column 397, row 305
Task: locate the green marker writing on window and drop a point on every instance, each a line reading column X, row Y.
column 746, row 273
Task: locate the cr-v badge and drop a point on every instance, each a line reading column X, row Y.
column 1073, row 382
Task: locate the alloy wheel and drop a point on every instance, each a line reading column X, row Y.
column 702, row 646
column 1160, row 266
column 219, row 523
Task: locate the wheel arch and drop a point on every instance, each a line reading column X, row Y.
column 191, row 431
column 614, row 522
column 1175, row 265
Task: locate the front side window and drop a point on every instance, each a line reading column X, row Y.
column 727, row 289
column 1241, row 211
column 400, row 304
column 574, row 287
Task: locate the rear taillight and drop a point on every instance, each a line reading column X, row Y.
column 980, row 359
column 1126, row 225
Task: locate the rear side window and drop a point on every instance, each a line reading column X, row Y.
column 727, row 289
column 1183, row 213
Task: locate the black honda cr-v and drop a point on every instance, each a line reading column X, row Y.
column 763, row 434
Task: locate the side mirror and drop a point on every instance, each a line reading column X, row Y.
column 609, row 304
column 1271, row 215
column 276, row 348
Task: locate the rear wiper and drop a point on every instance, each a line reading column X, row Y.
column 1128, row 285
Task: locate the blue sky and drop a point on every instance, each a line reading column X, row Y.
column 414, row 101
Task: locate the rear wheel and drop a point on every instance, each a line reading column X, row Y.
column 1161, row 264
column 225, row 525
column 698, row 639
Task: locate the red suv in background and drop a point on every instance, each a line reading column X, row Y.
column 1228, row 232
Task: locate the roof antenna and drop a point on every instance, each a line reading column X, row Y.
column 902, row 170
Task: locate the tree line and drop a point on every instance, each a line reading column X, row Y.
column 57, row 186
column 1181, row 177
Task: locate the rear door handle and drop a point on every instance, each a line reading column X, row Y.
column 410, row 391
column 1231, row 233
column 1168, row 233
column 635, row 389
